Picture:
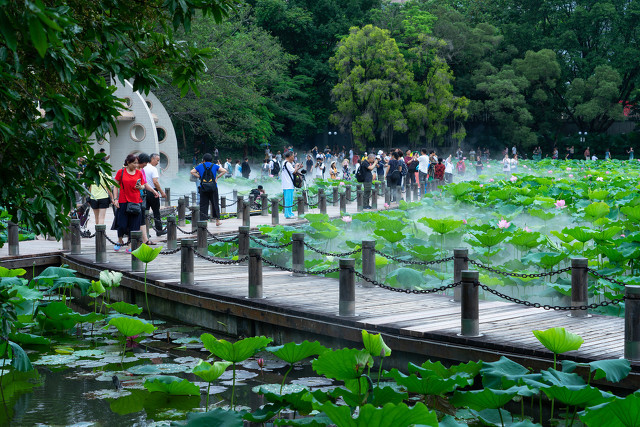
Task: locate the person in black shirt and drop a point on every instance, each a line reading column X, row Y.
column 246, row 169
column 368, row 165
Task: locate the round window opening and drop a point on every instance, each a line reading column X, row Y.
column 138, row 132
column 162, row 134
column 127, row 101
column 149, row 104
column 164, row 162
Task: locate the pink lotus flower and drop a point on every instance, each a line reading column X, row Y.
column 482, row 185
column 559, row 204
column 464, row 221
column 513, row 178
column 341, row 183
column 622, row 235
column 260, row 362
column 527, row 229
column 549, row 171
column 581, row 169
column 589, row 176
column 608, row 172
column 386, row 205
column 489, row 166
column 491, row 180
column 599, row 178
column 346, row 219
column 570, row 175
column 503, row 223
column 568, row 169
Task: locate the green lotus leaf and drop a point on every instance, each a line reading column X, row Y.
column 558, row 340
column 430, row 384
column 470, row 368
column 423, row 253
column 375, row 345
column 19, row 359
column 29, row 339
column 544, row 259
column 234, row 352
column 295, row 352
column 501, row 417
column 502, row 194
column 631, row 212
column 390, row 235
column 90, row 317
column 28, row 293
column 450, row 421
column 406, row 277
column 171, row 385
column 389, row 415
column 563, row 237
column 503, row 373
column 441, row 226
column 581, row 234
column 390, row 224
column 490, row 238
column 96, row 286
column 5, row 272
column 316, row 218
column 598, row 194
column 55, row 272
column 525, row 239
column 459, row 189
column 543, row 215
column 125, row 308
column 560, row 378
column 145, row 253
column 582, row 395
column 215, row 418
column 56, row 316
column 607, row 234
column 62, row 282
column 110, row 279
column 342, row 365
column 131, row 326
column 596, row 210
column 617, row 413
column 486, row 398
column 613, row 370
column 210, row 372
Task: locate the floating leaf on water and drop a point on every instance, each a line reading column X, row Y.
column 89, row 353
column 56, row 359
column 275, row 388
column 237, row 351
column 161, row 368
column 151, row 355
column 311, row 382
column 172, row 385
column 106, row 394
column 241, row 374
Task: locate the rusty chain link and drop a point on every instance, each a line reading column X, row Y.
column 403, row 290
column 339, row 254
column 434, row 262
column 218, row 261
column 510, row 274
column 292, row 270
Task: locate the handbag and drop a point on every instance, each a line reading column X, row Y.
column 133, row 209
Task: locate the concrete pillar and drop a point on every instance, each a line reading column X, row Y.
column 167, row 200
column 264, row 204
column 101, row 243
column 275, row 211
column 368, row 262
column 136, row 241
column 14, row 238
column 255, row 272
column 172, row 232
column 336, row 196
column 469, row 305
column 460, row 263
column 347, row 283
column 203, row 243
column 76, row 238
column 182, row 212
column 246, row 214
column 300, row 206
column 186, row 261
column 195, row 217
column 343, row 202
column 297, row 252
column 243, row 241
column 579, row 288
column 632, row 323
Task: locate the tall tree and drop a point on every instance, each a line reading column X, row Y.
column 56, row 60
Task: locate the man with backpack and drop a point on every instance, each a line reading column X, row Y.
column 365, row 176
column 275, row 167
column 208, row 174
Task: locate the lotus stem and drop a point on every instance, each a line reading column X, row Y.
column 208, row 389
column 233, row 389
column 146, row 300
column 285, row 377
column 380, row 370
column 501, row 420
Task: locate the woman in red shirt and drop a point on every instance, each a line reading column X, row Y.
column 131, row 180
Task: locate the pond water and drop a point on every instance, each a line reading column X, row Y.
column 74, row 382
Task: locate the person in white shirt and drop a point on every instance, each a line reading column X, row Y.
column 423, row 170
column 448, row 170
column 288, row 171
column 228, row 167
column 237, row 172
column 514, row 164
column 153, row 203
column 319, row 167
column 514, row 151
column 594, row 158
column 506, row 165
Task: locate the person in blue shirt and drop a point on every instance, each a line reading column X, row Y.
column 208, row 173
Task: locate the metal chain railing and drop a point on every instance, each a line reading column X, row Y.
column 220, row 239
column 169, row 251
column 406, row 291
column 339, row 254
column 607, row 278
column 404, row 261
column 186, row 232
column 547, row 306
column 117, row 243
column 293, row 270
column 511, row 274
column 292, row 206
column 266, row 245
column 218, row 261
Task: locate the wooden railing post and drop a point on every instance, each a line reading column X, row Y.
column 460, row 263
column 579, row 289
column 66, row 238
column 239, row 207
column 167, row 200
column 243, row 241
column 203, row 243
column 275, row 211
column 223, row 204
column 469, row 305
column 195, row 217
column 632, row 323
column 14, row 239
column 368, row 262
column 407, row 191
column 387, row 195
column 336, row 196
column 416, row 193
column 359, row 203
column 305, row 198
column 300, row 206
column 255, row 272
column 347, row 192
column 246, row 215
column 264, row 204
column 347, row 284
column 186, row 261
column 182, row 212
column 101, row 243
column 136, row 241
column 76, row 238
column 234, row 194
column 374, row 198
column 297, row 252
column 172, row 232
column 322, row 202
column 194, row 198
column 343, row 202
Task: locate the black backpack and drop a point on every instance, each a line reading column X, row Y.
column 360, row 173
column 276, row 169
column 207, row 180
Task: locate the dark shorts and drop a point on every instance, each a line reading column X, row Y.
column 100, row 203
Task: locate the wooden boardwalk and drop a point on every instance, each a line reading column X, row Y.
column 420, row 325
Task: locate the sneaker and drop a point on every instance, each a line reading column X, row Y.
column 161, row 233
column 117, row 247
column 128, row 250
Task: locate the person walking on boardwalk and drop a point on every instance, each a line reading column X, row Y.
column 208, row 173
column 153, row 203
column 288, row 171
column 126, row 195
column 368, row 165
column 246, row 169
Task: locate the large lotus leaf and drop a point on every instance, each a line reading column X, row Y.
column 459, row 189
column 215, row 418
column 110, row 279
column 581, row 234
column 560, row 378
column 563, row 237
column 5, row 272
column 607, row 234
column 146, row 253
column 382, row 396
column 596, row 210
column 131, row 326
column 316, row 218
column 390, row 235
column 575, row 395
column 441, row 226
column 525, row 239
column 502, row 194
column 390, row 224
column 470, row 368
column 490, row 237
column 613, row 370
column 612, row 254
column 544, row 259
column 60, row 282
column 29, row 339
column 28, row 293
column 598, row 194
column 406, row 277
column 502, row 374
column 210, row 372
column 125, row 308
column 344, row 364
column 375, row 345
column 501, row 417
column 432, row 385
column 12, row 282
column 389, row 415
column 19, row 359
column 486, row 398
column 90, row 317
column 56, row 316
column 543, row 215
column 423, row 253
column 234, row 352
column 450, row 421
column 618, row 413
column 295, row 352
column 632, row 212
column 172, row 385
column 558, row 340
column 55, row 272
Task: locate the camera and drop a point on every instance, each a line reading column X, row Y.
column 302, row 171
